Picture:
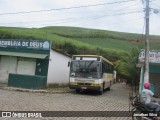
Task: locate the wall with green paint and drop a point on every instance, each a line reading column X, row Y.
column 154, row 78
column 27, row 81
column 38, row 80
column 42, row 67
column 154, row 68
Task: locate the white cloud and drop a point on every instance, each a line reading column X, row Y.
column 99, row 17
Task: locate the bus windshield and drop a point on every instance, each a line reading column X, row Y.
column 85, row 69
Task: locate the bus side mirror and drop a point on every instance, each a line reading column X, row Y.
column 69, row 64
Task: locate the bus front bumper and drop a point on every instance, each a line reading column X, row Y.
column 97, row 88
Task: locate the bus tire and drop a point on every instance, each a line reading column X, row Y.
column 104, row 86
column 101, row 91
column 109, row 88
column 77, row 90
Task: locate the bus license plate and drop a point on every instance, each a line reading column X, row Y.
column 84, row 88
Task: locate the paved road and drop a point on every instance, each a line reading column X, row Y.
column 114, row 100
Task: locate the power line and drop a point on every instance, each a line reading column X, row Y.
column 124, row 21
column 127, row 6
column 84, row 18
column 156, row 11
column 123, row 8
column 67, row 8
column 108, row 14
column 155, row 5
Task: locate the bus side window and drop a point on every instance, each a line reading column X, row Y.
column 103, row 67
column 106, row 67
column 110, row 69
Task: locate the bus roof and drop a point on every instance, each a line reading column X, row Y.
column 106, row 60
column 95, row 56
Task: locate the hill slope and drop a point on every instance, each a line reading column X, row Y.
column 74, row 40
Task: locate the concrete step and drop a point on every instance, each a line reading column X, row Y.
column 3, row 85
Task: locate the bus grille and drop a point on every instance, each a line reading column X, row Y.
column 84, row 83
column 88, row 84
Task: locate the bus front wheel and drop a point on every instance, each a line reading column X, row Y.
column 102, row 90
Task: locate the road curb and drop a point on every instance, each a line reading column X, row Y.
column 34, row 91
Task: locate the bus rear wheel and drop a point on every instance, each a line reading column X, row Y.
column 109, row 88
column 77, row 90
column 101, row 92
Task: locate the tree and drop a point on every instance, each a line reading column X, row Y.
column 70, row 48
column 126, row 65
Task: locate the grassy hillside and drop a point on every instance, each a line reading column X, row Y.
column 110, row 43
column 73, row 40
column 75, row 32
column 107, row 39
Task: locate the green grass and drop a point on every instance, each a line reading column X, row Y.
column 119, row 45
column 81, row 40
column 76, row 32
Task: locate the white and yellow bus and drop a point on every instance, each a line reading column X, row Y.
column 90, row 72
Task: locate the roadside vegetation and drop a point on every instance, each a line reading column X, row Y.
column 126, row 66
column 119, row 47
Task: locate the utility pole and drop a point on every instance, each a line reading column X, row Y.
column 146, row 74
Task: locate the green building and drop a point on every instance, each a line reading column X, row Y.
column 154, row 70
column 24, row 63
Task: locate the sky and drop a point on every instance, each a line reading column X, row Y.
column 114, row 15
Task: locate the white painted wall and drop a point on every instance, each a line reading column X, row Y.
column 58, row 71
column 7, row 65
